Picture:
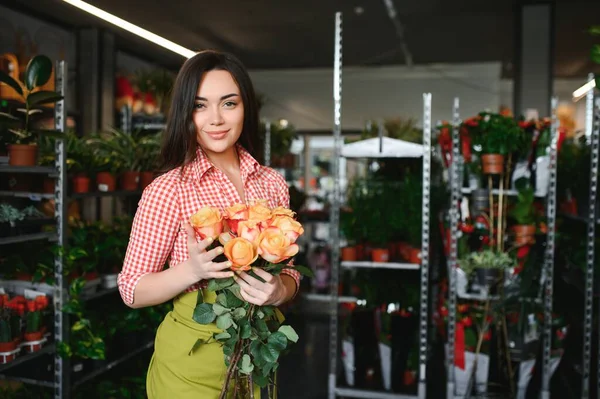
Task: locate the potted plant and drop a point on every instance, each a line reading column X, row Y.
column 283, row 134
column 8, row 343
column 23, row 150
column 148, row 151
column 487, row 265
column 34, row 330
column 524, row 215
column 496, row 136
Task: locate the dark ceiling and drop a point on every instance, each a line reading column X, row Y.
column 299, row 34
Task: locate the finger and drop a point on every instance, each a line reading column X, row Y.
column 218, row 266
column 202, row 245
column 213, row 253
column 220, row 274
column 249, row 289
column 250, row 280
column 249, row 298
column 265, row 275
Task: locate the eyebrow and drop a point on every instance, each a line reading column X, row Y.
column 222, row 98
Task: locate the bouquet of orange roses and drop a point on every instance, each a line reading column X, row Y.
column 252, row 336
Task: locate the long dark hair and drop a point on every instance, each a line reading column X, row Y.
column 179, row 139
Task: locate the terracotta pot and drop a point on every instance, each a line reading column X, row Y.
column 524, row 234
column 106, row 181
column 48, row 186
column 8, row 346
column 349, row 253
column 81, row 184
column 130, row 180
column 34, row 336
column 404, row 250
column 414, row 256
column 492, row 164
column 145, row 179
column 22, row 154
column 380, row 255
column 409, row 377
column 24, row 276
column 360, row 252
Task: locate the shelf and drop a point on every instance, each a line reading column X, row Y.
column 95, row 194
column 31, row 196
column 24, row 358
column 5, row 103
column 28, row 381
column 28, row 237
column 576, row 218
column 112, row 364
column 361, row 393
column 477, row 297
column 45, row 170
column 327, row 298
column 495, row 191
column 380, row 265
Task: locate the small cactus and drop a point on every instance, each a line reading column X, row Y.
column 33, row 322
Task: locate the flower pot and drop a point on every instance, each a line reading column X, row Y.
column 48, row 186
column 524, row 234
column 488, row 278
column 349, row 253
column 130, row 180
column 360, row 252
column 8, row 346
column 22, row 154
column 8, row 351
column 81, row 184
column 492, row 164
column 404, row 250
column 480, row 202
column 380, row 255
column 145, row 179
column 106, row 182
column 415, row 256
column 33, row 341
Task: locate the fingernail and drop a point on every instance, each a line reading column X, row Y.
column 229, row 264
column 209, row 239
column 220, row 250
column 232, row 274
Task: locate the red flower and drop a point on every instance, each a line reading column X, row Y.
column 523, row 251
column 487, row 336
column 467, row 321
column 467, row 228
column 444, row 311
column 31, row 306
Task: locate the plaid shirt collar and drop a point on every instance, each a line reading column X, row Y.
column 248, row 165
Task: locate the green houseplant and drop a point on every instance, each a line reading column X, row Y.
column 496, row 136
column 23, row 150
column 487, row 265
column 523, row 213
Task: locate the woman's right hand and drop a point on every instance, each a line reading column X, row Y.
column 201, row 261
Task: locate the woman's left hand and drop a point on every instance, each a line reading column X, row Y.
column 271, row 292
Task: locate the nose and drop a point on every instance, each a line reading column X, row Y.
column 216, row 116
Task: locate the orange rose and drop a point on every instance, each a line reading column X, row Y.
column 259, row 212
column 249, row 229
column 234, row 214
column 290, row 227
column 241, row 253
column 207, row 222
column 281, row 211
column 274, row 246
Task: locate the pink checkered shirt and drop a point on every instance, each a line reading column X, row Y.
column 157, row 233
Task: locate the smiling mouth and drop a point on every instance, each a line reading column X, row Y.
column 218, row 134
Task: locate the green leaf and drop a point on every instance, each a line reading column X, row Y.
column 224, row 321
column 64, row 350
column 43, row 97
column 278, row 340
column 268, row 310
column 220, row 283
column 260, row 314
column 595, row 30
column 219, row 310
column 289, row 332
column 38, row 71
column 268, row 367
column 223, row 336
column 197, row 345
column 204, row 314
column 269, row 353
column 200, row 298
column 245, row 329
column 234, row 298
column 8, row 117
column 303, row 270
column 595, row 54
column 222, row 300
column 80, row 325
column 260, row 380
column 246, row 367
column 238, row 313
column 6, row 78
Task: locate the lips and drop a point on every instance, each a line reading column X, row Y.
column 217, row 134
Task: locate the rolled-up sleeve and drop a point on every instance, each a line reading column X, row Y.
column 284, row 201
column 153, row 234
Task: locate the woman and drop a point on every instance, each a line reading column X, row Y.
column 206, row 151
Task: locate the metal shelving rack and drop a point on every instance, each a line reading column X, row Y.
column 61, row 378
column 334, row 390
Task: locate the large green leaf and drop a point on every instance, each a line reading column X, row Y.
column 245, row 329
column 223, row 336
column 289, row 332
column 5, row 78
column 238, row 313
column 278, row 340
column 219, row 309
column 224, row 321
column 220, row 283
column 222, row 300
column 204, row 314
column 260, row 380
column 38, row 71
column 234, row 298
column 43, row 97
column 269, row 353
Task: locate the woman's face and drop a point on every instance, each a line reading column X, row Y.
column 218, row 112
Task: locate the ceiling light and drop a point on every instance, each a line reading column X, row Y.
column 584, row 89
column 136, row 30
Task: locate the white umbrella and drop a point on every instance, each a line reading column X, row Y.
column 384, row 148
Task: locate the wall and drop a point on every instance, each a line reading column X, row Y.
column 304, row 97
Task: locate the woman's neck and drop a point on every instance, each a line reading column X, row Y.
column 227, row 161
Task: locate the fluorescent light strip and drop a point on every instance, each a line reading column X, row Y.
column 136, row 30
column 584, row 89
